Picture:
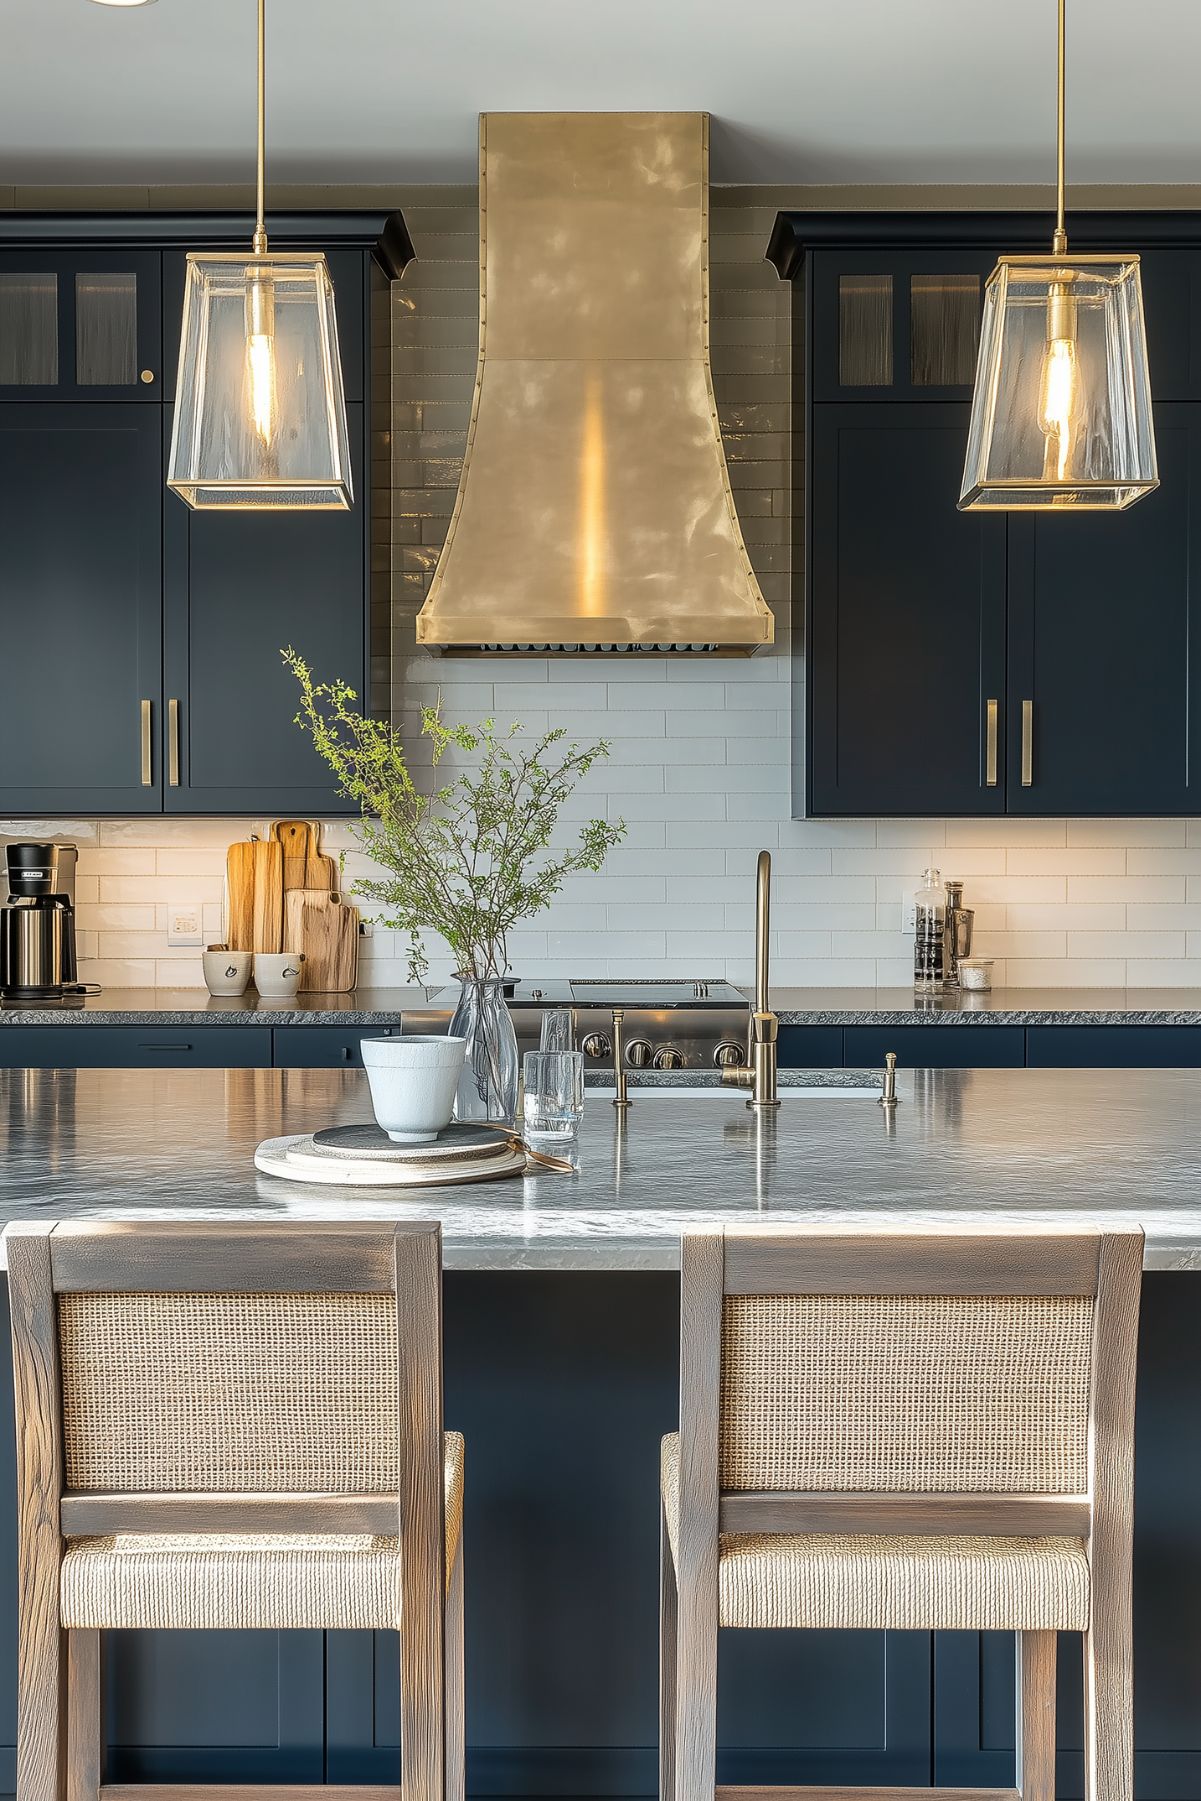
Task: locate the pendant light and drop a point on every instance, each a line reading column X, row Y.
column 260, row 418
column 1061, row 413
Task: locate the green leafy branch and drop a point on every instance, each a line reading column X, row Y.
column 472, row 858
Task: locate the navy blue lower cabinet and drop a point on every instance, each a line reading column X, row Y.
column 564, row 1385
column 1113, row 1047
column 135, row 1047
column 810, row 1047
column 973, row 1673
column 325, row 1047
column 935, row 1047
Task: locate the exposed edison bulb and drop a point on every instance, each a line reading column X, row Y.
column 260, row 358
column 1059, row 386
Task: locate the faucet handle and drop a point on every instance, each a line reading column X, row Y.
column 888, row 1092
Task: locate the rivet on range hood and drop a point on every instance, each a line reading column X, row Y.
column 594, row 510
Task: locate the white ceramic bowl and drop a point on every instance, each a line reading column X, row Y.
column 413, row 1081
column 226, row 972
column 277, row 974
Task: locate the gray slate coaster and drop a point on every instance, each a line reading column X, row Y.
column 367, row 1143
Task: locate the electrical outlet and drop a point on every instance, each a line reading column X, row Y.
column 185, row 923
column 909, row 915
column 366, row 929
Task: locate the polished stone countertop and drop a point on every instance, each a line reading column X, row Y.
column 1003, row 1149
column 795, row 1006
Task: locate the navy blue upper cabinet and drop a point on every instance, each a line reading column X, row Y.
column 80, row 608
column 238, row 587
column 967, row 664
column 905, row 639
column 1104, row 659
column 80, row 324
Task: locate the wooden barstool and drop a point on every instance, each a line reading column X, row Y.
column 903, row 1431
column 232, row 1426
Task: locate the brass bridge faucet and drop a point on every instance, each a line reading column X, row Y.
column 763, row 1027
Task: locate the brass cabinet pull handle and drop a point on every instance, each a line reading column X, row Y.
column 1027, row 744
column 147, row 772
column 173, row 743
column 990, row 744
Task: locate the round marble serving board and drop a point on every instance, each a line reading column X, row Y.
column 296, row 1159
column 371, row 1143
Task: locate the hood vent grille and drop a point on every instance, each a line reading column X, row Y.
column 594, row 511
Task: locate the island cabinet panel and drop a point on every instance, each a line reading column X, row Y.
column 973, row 1692
column 564, row 1385
column 135, row 1047
column 905, row 643
column 935, row 1047
column 810, row 1047
column 239, row 588
column 1113, row 1047
column 80, row 608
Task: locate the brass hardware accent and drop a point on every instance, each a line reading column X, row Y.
column 888, row 1092
column 596, row 1045
column 638, row 1053
column 990, row 743
column 1027, row 744
column 729, row 1056
column 147, row 772
column 763, row 1027
column 147, row 375
column 669, row 1058
column 621, row 1080
column 605, row 411
column 173, row 743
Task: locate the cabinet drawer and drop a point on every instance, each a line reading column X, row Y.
column 135, row 1047
column 810, row 1047
column 936, row 1047
column 1113, row 1047
column 325, row 1047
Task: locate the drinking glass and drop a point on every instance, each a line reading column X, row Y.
column 556, row 1030
column 554, row 1094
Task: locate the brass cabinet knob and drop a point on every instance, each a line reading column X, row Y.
column 147, row 376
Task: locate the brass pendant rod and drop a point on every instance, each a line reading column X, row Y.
column 260, row 230
column 1060, row 241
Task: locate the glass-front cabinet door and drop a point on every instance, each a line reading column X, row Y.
column 892, row 325
column 80, row 325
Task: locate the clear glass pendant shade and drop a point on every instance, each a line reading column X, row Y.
column 260, row 417
column 1061, row 414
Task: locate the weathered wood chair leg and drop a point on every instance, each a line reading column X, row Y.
column 1108, row 1711
column 456, row 1725
column 41, row 1707
column 667, row 1664
column 695, row 1762
column 1035, row 1725
column 85, row 1709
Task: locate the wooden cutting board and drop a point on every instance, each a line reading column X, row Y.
column 268, row 896
column 239, row 896
column 326, row 929
column 304, row 866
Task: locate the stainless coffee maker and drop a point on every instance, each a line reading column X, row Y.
column 37, row 924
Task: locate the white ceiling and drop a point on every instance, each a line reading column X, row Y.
column 799, row 90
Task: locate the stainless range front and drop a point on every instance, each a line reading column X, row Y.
column 667, row 1024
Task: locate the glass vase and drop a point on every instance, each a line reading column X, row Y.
column 488, row 1086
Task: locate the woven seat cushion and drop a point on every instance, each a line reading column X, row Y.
column 270, row 1581
column 874, row 1581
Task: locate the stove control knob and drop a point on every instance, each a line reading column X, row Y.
column 729, row 1055
column 597, row 1045
column 638, row 1053
column 669, row 1058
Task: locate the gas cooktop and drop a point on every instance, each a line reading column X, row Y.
column 605, row 991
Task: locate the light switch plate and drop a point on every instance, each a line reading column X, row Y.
column 185, row 923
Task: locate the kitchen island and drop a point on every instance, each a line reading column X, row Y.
column 561, row 1346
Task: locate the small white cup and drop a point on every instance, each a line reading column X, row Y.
column 225, row 971
column 413, row 1081
column 975, row 973
column 277, row 974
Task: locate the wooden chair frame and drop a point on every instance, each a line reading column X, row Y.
column 59, row 1719
column 1106, row 1266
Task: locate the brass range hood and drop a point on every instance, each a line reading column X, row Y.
column 594, row 510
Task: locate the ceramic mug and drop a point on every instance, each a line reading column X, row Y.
column 277, row 974
column 413, row 1082
column 225, row 971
